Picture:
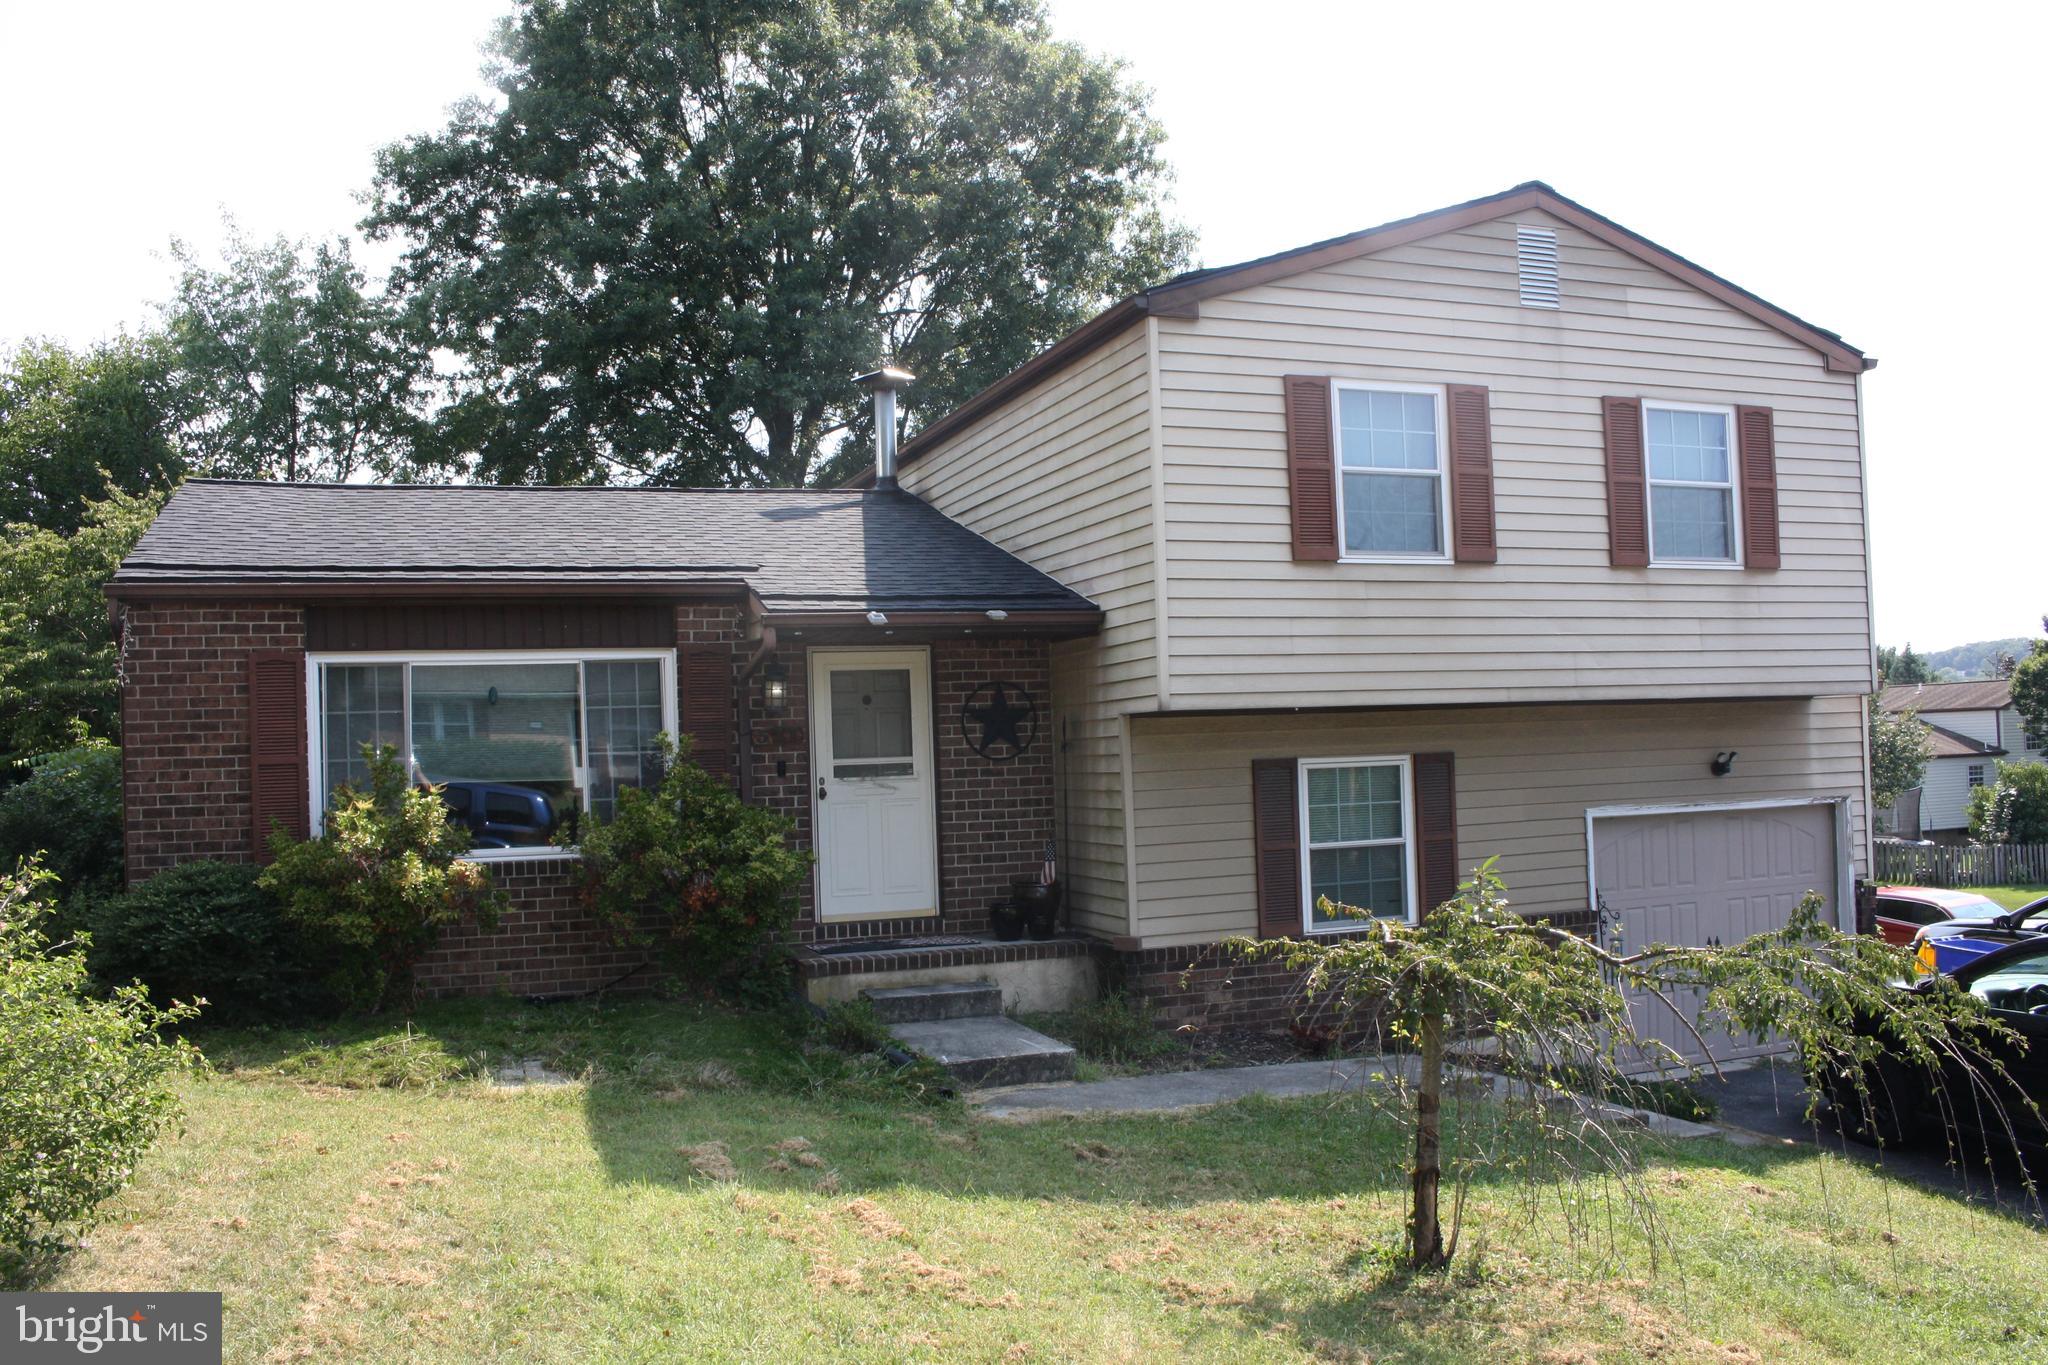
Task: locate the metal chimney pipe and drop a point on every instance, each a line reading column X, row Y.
column 883, row 383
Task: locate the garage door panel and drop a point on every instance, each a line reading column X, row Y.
column 1690, row 878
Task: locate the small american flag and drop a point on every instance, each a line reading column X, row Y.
column 1050, row 872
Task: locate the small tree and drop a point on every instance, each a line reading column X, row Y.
column 2030, row 686
column 2013, row 809
column 1557, row 1006
column 381, row 883
column 1899, row 749
column 688, row 868
column 1896, row 667
column 84, row 1081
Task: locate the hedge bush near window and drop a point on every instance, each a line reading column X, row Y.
column 68, row 811
column 204, row 930
column 372, row 894
column 84, row 1082
column 687, row 868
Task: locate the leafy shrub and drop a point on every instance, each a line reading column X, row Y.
column 372, row 894
column 2014, row 809
column 205, row 931
column 688, row 868
column 853, row 1026
column 1118, row 1029
column 68, row 810
column 84, row 1081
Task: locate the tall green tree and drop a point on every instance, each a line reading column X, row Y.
column 58, row 656
column 2030, row 685
column 1899, row 749
column 681, row 228
column 1898, row 667
column 293, row 367
column 74, row 421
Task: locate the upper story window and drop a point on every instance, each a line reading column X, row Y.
column 1976, row 774
column 1392, row 493
column 521, row 745
column 1690, row 452
column 1360, row 839
column 2036, row 739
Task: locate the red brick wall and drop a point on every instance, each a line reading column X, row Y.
column 547, row 943
column 994, row 818
column 185, row 727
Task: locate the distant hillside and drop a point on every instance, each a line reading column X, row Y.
column 1973, row 661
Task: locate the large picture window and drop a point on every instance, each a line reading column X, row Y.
column 521, row 745
column 1692, row 484
column 1391, row 489
column 1359, row 844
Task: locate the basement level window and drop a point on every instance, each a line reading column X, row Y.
column 1536, row 260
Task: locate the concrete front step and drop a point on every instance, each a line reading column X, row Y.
column 940, row 1000
column 986, row 1050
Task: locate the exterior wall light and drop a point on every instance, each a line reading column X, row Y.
column 775, row 690
column 1723, row 764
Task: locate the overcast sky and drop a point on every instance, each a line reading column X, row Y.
column 1868, row 168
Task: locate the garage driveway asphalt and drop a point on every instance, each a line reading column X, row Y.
column 1768, row 1101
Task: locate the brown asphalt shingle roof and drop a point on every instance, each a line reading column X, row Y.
column 1993, row 694
column 799, row 550
column 1948, row 744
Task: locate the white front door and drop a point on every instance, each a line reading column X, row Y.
column 871, row 755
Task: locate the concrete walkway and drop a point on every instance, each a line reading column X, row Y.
column 1167, row 1091
column 1173, row 1091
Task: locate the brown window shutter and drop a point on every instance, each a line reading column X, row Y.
column 1436, row 829
column 1471, row 436
column 1276, row 840
column 710, row 716
column 1311, row 467
column 1628, row 512
column 278, row 794
column 1758, row 447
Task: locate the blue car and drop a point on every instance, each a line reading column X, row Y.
column 1949, row 944
column 500, row 815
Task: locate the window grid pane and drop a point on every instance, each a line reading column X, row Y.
column 1692, row 500
column 1358, row 805
column 623, row 701
column 360, row 704
column 1392, row 472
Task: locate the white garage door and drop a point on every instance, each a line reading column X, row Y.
column 1704, row 877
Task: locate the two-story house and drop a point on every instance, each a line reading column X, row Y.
column 1498, row 531
column 1971, row 727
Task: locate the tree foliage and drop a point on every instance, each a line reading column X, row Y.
column 74, row 422
column 376, row 888
column 290, row 367
column 2014, row 808
column 1899, row 749
column 84, row 1082
column 1556, row 1006
column 67, row 813
column 680, row 229
column 1902, row 667
column 58, row 653
column 2030, row 685
column 688, row 868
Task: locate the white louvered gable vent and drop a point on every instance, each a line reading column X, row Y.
column 1536, row 257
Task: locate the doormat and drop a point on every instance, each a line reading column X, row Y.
column 891, row 945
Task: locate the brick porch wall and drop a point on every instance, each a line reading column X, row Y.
column 185, row 727
column 994, row 818
column 546, row 943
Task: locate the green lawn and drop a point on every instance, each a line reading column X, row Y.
column 2011, row 897
column 718, row 1187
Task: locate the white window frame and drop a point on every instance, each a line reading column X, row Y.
column 316, row 795
column 1442, row 476
column 1302, row 768
column 1734, row 487
column 1977, row 775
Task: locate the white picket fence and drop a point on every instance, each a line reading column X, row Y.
column 1962, row 864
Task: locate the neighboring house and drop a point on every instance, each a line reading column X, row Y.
column 1489, row 532
column 1971, row 726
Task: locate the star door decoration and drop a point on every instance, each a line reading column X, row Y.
column 999, row 720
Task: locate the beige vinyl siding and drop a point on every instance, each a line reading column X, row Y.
column 1061, row 476
column 1525, row 779
column 1551, row 620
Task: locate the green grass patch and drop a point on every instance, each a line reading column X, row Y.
column 1116, row 1035
column 731, row 1187
column 2011, row 897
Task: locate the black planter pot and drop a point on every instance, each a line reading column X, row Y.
column 1006, row 922
column 1039, row 904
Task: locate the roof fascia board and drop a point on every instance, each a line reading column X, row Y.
column 333, row 589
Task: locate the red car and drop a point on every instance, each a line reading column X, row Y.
column 1903, row 911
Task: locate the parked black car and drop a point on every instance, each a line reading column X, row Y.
column 500, row 815
column 1907, row 1103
